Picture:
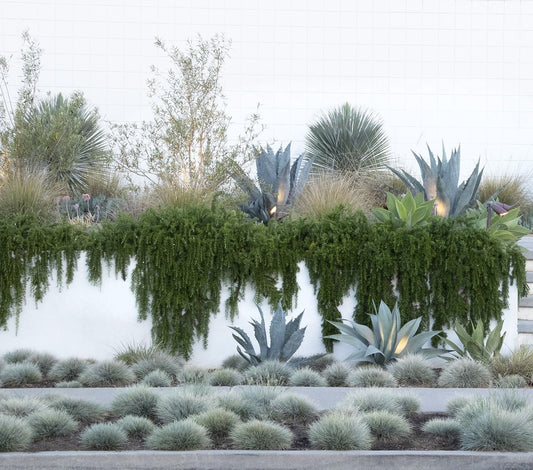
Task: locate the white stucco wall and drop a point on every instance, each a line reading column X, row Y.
column 93, row 322
column 452, row 71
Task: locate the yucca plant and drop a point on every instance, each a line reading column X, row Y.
column 285, row 338
column 407, row 211
column 440, row 181
column 475, row 344
column 279, row 184
column 387, row 340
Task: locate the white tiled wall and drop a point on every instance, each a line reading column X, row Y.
column 452, row 71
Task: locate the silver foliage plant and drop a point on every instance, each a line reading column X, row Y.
column 440, row 181
column 285, row 338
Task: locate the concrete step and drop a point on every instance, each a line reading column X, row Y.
column 526, row 301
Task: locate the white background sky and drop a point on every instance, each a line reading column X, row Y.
column 452, row 71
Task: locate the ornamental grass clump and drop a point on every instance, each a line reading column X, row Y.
column 51, row 423
column 136, row 427
column 18, row 355
column 409, row 402
column 340, row 431
column 218, row 422
column 20, row 373
column 21, row 407
column 103, row 436
column 510, row 381
column 44, row 361
column 67, row 370
column 179, row 435
column 137, row 400
column 373, row 400
column 157, row 378
column 385, row 425
column 81, row 410
column 292, row 408
column 316, row 362
column 261, row 435
column 270, row 373
column 465, row 373
column 181, row 405
column 160, row 360
column 107, row 374
column 233, row 402
column 226, row 378
column 443, row 427
column 307, row 377
column 235, row 361
column 15, row 434
column 337, row 374
column 193, row 375
column 413, row 370
column 259, row 399
column 371, row 377
column 70, row 384
column 519, row 362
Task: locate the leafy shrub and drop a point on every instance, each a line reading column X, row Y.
column 107, row 374
column 51, row 423
column 386, row 425
column 138, row 401
column 235, row 361
column 413, row 370
column 136, row 427
column 406, row 211
column 387, row 340
column 21, row 407
column 20, row 373
column 180, row 405
column 337, row 374
column 371, row 377
column 511, row 381
column 519, row 362
column 465, row 373
column 218, row 422
column 292, row 408
column 193, row 375
column 261, row 435
column 157, row 378
column 15, row 434
column 179, row 435
column 81, row 410
column 103, row 436
column 338, row 431
column 268, row 373
column 226, row 377
column 447, row 428
column 285, row 338
column 161, row 361
column 68, row 369
column 307, row 377
column 69, row 384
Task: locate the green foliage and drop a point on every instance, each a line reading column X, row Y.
column 386, row 425
column 339, row 431
column 413, row 370
column 136, row 427
column 465, row 373
column 103, row 436
column 107, row 374
column 20, row 373
column 15, row 434
column 280, row 184
column 348, row 139
column 387, row 340
column 226, row 378
column 51, row 423
column 131, row 353
column 371, row 377
column 138, row 401
column 261, row 435
column 268, row 373
column 475, row 345
column 407, row 211
column 285, row 338
column 440, row 182
column 307, row 377
column 179, row 435
column 519, row 362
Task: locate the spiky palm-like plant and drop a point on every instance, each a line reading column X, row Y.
column 440, row 181
column 348, row 139
column 279, row 183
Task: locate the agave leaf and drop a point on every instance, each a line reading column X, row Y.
column 409, row 202
column 412, row 184
column 352, row 340
column 429, row 353
column 467, row 191
column 292, row 344
column 462, row 334
column 401, row 210
column 477, row 334
column 363, row 332
column 382, row 215
column 246, row 358
column 299, row 176
column 429, row 179
column 277, row 333
column 418, row 341
column 245, row 342
column 495, row 339
column 292, row 326
column 347, row 329
column 455, row 347
column 260, row 334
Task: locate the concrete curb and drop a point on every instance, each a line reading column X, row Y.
column 267, row 460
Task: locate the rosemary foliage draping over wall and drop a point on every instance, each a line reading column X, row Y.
column 445, row 271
